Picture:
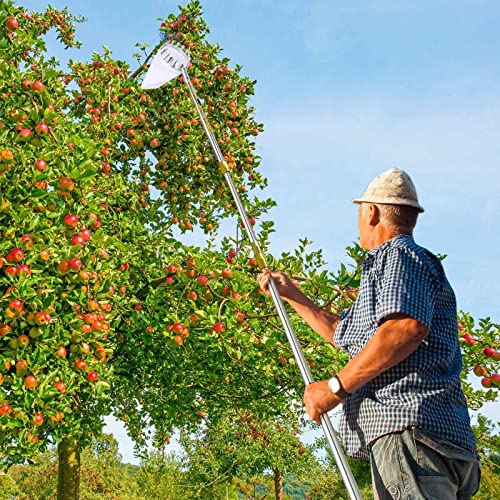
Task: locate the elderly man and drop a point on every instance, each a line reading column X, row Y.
column 403, row 406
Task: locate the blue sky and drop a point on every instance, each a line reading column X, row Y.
column 348, row 89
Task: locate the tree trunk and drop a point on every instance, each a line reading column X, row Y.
column 278, row 484
column 68, row 481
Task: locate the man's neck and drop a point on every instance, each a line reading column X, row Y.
column 383, row 234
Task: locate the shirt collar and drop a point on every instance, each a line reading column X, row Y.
column 389, row 243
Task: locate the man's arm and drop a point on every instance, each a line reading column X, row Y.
column 322, row 322
column 395, row 339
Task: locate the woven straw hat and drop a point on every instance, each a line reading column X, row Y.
column 392, row 187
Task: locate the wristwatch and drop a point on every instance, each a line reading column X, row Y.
column 336, row 387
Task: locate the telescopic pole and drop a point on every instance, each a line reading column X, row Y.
column 301, row 361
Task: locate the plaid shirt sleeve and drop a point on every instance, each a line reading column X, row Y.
column 407, row 285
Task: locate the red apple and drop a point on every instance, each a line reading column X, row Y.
column 75, row 264
column 30, row 381
column 38, row 85
column 226, row 273
column 486, row 382
column 15, row 255
column 26, row 241
column 61, row 352
column 80, row 364
column 489, row 352
column 469, row 339
column 218, row 327
column 77, row 240
column 41, row 128
column 11, row 24
column 5, row 409
column 23, row 269
column 71, row 220
column 63, row 267
column 202, row 280
column 38, row 419
column 25, row 133
column 16, row 305
column 92, row 376
column 479, row 371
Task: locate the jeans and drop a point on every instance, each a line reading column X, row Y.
column 414, row 464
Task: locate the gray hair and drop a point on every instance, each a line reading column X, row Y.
column 400, row 218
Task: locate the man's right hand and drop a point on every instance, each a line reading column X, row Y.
column 321, row 321
column 285, row 287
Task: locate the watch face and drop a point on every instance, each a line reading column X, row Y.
column 334, row 385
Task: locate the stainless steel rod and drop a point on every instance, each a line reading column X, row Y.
column 300, row 359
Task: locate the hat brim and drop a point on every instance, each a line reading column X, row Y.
column 393, row 201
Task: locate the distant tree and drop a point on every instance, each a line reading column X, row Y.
column 243, row 446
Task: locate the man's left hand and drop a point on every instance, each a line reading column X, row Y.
column 319, row 399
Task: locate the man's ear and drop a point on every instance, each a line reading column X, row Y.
column 373, row 215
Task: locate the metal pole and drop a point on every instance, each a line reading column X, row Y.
column 300, row 359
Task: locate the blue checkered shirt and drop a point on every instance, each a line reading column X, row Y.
column 424, row 390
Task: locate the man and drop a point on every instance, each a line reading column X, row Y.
column 403, row 406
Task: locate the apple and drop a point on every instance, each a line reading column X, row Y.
column 42, row 318
column 77, row 240
column 171, row 268
column 56, row 418
column 15, row 255
column 35, row 332
column 38, row 419
column 44, row 255
column 92, row 376
column 63, row 266
column 41, row 128
column 178, row 339
column 23, row 340
column 489, row 352
column 80, row 364
column 479, row 371
column 218, row 327
column 66, row 183
column 226, row 273
column 71, row 220
column 469, row 339
column 38, row 86
column 23, row 269
column 30, row 381
column 192, row 295
column 5, row 329
column 177, row 327
column 21, row 367
column 5, row 409
column 16, row 305
column 75, row 264
column 10, row 270
column 495, row 378
column 11, row 24
column 202, row 280
column 26, row 241
column 61, row 352
column 486, row 382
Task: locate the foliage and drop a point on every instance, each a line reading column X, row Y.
column 481, row 356
column 103, row 309
column 243, row 446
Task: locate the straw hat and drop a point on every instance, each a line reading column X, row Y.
column 392, row 187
